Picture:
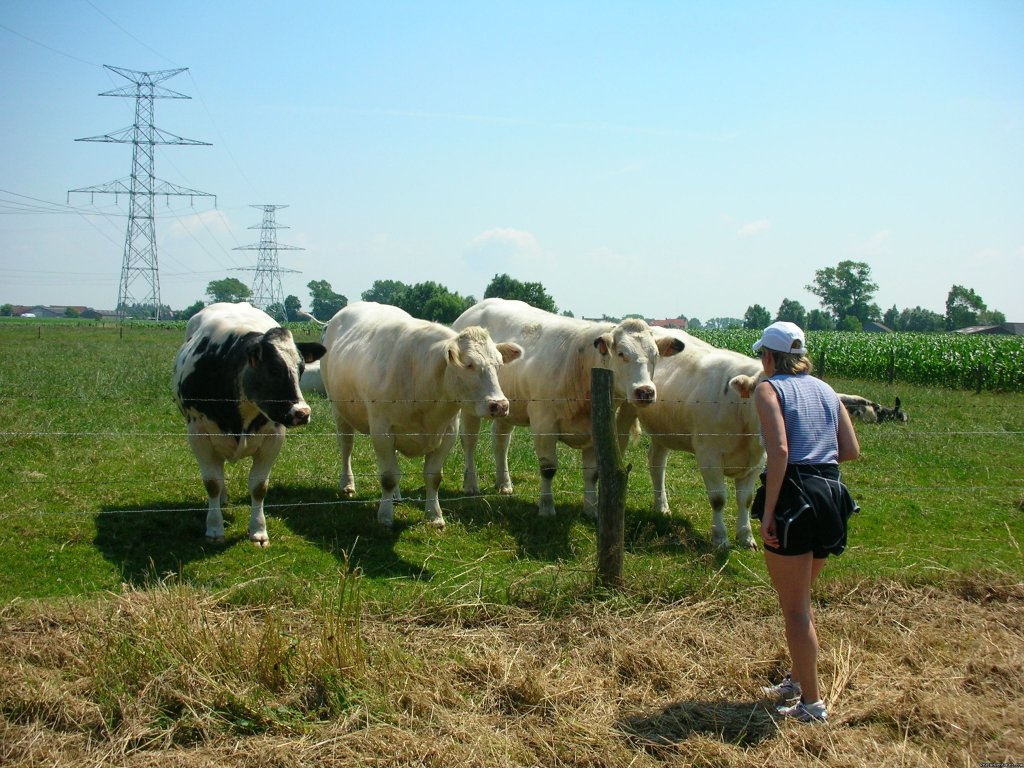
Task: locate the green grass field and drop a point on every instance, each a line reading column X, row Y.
column 101, row 488
column 127, row 639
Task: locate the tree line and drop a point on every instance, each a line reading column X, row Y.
column 428, row 300
column 846, row 293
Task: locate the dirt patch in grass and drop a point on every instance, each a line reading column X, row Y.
column 914, row 676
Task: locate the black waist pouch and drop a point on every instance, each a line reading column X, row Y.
column 814, row 489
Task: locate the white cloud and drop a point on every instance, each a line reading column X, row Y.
column 212, row 220
column 754, row 228
column 877, row 244
column 502, row 249
column 506, row 240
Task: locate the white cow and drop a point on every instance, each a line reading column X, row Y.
column 236, row 382
column 549, row 389
column 403, row 381
column 705, row 407
column 311, row 381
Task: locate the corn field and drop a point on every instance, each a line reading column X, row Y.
column 979, row 362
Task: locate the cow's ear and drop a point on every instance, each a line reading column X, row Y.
column 311, row 351
column 669, row 345
column 743, row 384
column 453, row 354
column 603, row 343
column 255, row 354
column 509, row 351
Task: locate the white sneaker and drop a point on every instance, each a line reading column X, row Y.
column 806, row 713
column 782, row 693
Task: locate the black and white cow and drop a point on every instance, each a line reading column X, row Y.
column 236, row 381
column 871, row 412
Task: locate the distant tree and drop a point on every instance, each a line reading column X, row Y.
column 71, row 312
column 433, row 301
column 567, row 313
column 792, row 312
column 292, row 305
column 325, row 301
column 918, row 319
column 991, row 317
column 444, row 307
column 846, row 290
column 276, row 311
column 229, row 289
column 7, row 310
column 505, row 287
column 851, row 323
column 694, row 323
column 965, row 308
column 892, row 317
column 386, row 292
column 724, row 323
column 756, row 317
column 635, row 315
column 820, row 321
column 187, row 312
column 147, row 312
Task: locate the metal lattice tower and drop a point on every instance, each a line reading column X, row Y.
column 140, row 262
column 266, row 288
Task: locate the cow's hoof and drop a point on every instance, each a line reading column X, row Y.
column 260, row 540
column 216, row 538
column 435, row 522
column 746, row 541
column 505, row 490
column 721, row 543
column 348, row 493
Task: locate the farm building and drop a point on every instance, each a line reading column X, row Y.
column 1013, row 329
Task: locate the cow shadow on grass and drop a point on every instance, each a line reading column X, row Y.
column 536, row 537
column 741, row 724
column 550, row 538
column 155, row 541
column 160, row 540
column 347, row 529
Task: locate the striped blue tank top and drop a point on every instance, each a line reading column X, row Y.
column 810, row 408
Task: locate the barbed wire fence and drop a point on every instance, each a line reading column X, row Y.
column 310, row 460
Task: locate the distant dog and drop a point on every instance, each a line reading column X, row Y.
column 871, row 412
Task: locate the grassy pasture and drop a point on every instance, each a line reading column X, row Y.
column 101, row 521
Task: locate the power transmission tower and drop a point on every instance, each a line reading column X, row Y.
column 266, row 283
column 140, row 262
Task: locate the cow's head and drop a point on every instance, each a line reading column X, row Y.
column 271, row 378
column 630, row 351
column 473, row 360
column 892, row 414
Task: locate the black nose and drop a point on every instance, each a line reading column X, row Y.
column 298, row 416
column 644, row 394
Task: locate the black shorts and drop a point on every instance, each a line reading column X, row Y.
column 812, row 511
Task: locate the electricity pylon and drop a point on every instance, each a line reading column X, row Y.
column 140, row 262
column 266, row 288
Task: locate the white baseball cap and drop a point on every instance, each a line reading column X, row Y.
column 782, row 337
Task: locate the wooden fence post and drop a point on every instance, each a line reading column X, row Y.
column 612, row 481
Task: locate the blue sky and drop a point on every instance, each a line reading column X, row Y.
column 664, row 158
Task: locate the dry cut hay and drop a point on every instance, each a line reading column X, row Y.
column 915, row 676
